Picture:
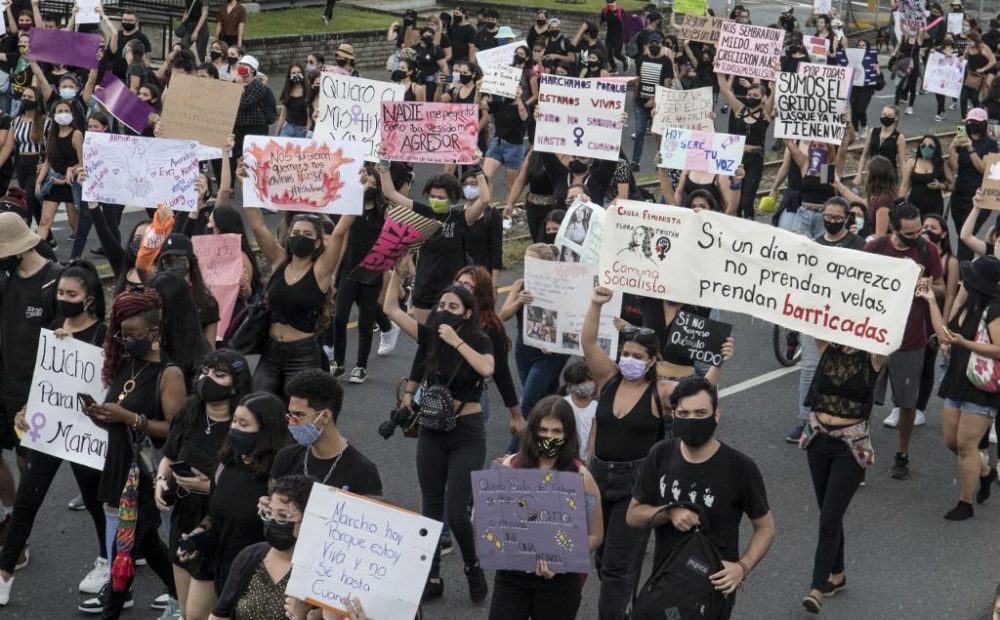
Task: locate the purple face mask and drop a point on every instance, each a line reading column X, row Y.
column 631, row 368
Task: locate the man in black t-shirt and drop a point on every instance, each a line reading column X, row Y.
column 486, row 37
column 654, row 68
column 698, row 471
column 320, row 452
column 557, row 47
column 130, row 31
column 462, row 35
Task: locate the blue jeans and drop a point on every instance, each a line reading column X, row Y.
column 808, row 223
column 643, row 118
column 507, row 153
column 808, row 363
column 539, row 373
column 290, row 130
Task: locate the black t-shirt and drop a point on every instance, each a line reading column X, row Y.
column 193, row 9
column 560, row 46
column 486, row 40
column 726, row 486
column 232, row 510
column 461, row 37
column 120, row 66
column 850, row 241
column 442, row 255
column 354, row 472
column 26, row 306
column 427, row 58
column 95, row 334
column 486, row 240
column 453, row 371
column 507, row 120
column 187, row 440
column 652, row 73
column 969, row 179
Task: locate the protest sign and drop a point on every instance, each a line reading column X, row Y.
column 683, row 109
column 749, row 51
column 63, row 47
column 816, row 47
column 844, row 75
column 86, row 12
column 296, row 174
column 809, row 107
column 701, row 151
column 526, row 515
column 65, row 367
column 580, row 117
column 208, row 153
column 700, row 337
column 430, row 133
column 716, row 261
column 696, row 27
column 220, row 258
column 502, row 81
column 554, row 318
column 353, row 547
column 955, row 22
column 911, row 17
column 991, row 183
column 132, row 170
column 944, row 74
column 502, row 55
column 822, row 7
column 402, row 232
column 350, row 110
column 198, row 109
column 579, row 236
column 123, row 104
column 863, row 61
column 690, row 7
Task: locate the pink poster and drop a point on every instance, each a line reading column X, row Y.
column 221, row 261
column 430, row 133
column 403, row 232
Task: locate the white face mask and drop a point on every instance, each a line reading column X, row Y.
column 63, row 118
column 471, row 192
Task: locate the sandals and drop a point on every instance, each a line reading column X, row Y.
column 812, row 604
column 832, row 588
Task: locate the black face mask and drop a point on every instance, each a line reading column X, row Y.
column 447, row 318
column 550, row 447
column 554, row 34
column 133, row 247
column 908, row 241
column 215, row 55
column 301, row 246
column 296, row 79
column 243, row 443
column 457, row 19
column 576, row 166
column 28, row 104
column 70, row 309
column 371, row 193
column 465, row 79
column 540, row 22
column 520, row 60
column 593, row 64
column 211, row 392
column 279, row 536
column 231, row 60
column 654, row 50
column 975, row 128
column 9, row 264
column 933, row 236
column 137, row 348
column 887, row 121
column 550, row 237
column 833, row 227
column 398, row 75
column 751, row 102
column 342, row 62
column 695, row 432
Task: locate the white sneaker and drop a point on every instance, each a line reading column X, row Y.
column 172, row 611
column 919, row 419
column 939, row 117
column 893, row 420
column 5, row 588
column 909, row 110
column 952, row 105
column 387, row 341
column 96, row 578
column 993, row 434
column 358, row 375
column 329, row 353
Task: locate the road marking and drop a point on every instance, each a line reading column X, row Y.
column 755, row 381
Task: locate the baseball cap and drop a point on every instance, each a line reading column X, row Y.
column 251, row 62
column 977, row 114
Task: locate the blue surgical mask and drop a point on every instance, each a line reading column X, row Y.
column 631, row 368
column 67, row 93
column 927, row 152
column 305, row 434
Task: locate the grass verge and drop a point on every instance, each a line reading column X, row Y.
column 309, row 20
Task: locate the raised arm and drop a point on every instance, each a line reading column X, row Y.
column 389, row 190
column 43, row 84
column 475, row 209
column 727, row 93
column 601, row 367
column 396, row 314
column 273, row 253
column 968, row 235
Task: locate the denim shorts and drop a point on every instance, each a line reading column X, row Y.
column 966, row 407
column 510, row 155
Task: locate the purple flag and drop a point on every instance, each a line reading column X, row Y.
column 73, row 49
column 123, row 104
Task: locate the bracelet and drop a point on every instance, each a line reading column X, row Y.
column 746, row 571
column 459, row 345
column 410, row 393
column 136, row 423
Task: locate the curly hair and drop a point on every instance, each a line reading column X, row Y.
column 140, row 301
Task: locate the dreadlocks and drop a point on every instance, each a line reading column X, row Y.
column 135, row 302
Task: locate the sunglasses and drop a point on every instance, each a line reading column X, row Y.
column 645, row 334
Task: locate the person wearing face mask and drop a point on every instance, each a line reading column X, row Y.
column 511, row 120
column 131, row 31
column 967, row 235
column 980, row 63
column 25, row 142
column 486, row 38
column 343, row 60
column 227, row 64
column 628, row 422
column 886, row 141
column 255, row 587
column 815, row 188
column 967, row 154
column 315, row 65
column 431, row 63
column 905, row 365
column 177, row 256
column 197, row 435
column 484, row 240
column 404, row 36
column 80, row 303
column 752, row 115
column 256, row 109
column 948, row 49
column 595, row 176
column 144, row 394
column 453, row 353
column 293, row 115
column 549, row 443
column 613, row 19
column 586, row 43
column 538, row 201
column 880, row 190
column 926, row 177
column 56, row 182
column 539, row 29
column 231, row 20
column 462, row 35
column 403, row 75
column 654, row 69
column 580, row 390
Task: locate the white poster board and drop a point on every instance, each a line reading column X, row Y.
column 502, row 81
column 350, row 110
column 701, row 151
column 86, row 11
column 502, row 55
column 822, row 7
column 944, row 75
column 579, row 236
column 65, row 367
column 749, row 51
column 683, row 109
column 809, row 107
column 955, row 22
column 580, row 116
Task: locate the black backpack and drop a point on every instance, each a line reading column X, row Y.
column 921, row 248
column 679, row 588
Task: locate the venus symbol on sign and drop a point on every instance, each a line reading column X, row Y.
column 37, row 424
column 578, row 132
column 356, row 114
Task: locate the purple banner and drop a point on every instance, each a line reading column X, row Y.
column 73, row 49
column 123, row 104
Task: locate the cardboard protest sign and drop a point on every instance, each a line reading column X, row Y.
column 683, row 109
column 430, row 133
column 63, row 47
column 822, row 7
column 502, row 81
column 523, row 515
column 502, row 55
column 65, row 367
column 696, row 27
column 296, row 174
column 132, row 170
column 911, row 17
column 749, row 51
column 690, row 7
column 944, row 74
column 955, row 22
column 350, row 110
column 702, row 151
column 713, row 260
column 220, row 258
column 863, row 61
column 402, row 232
column 554, row 319
column 809, row 107
column 123, row 104
column 991, row 183
column 845, row 75
column 198, row 109
column 580, row 117
column 87, row 12
column 579, row 236
column 353, row 547
column 701, row 337
column 816, row 47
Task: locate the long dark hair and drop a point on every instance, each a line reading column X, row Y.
column 945, row 242
column 202, row 297
column 183, row 340
column 286, row 90
column 38, row 124
column 228, row 221
column 647, row 341
column 486, row 302
column 468, row 331
column 937, row 161
column 52, row 139
column 881, row 179
column 550, row 407
column 86, row 273
column 273, row 435
column 128, row 262
column 379, row 202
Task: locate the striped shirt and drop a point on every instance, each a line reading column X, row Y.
column 22, row 137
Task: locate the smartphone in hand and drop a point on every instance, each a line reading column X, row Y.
column 182, row 469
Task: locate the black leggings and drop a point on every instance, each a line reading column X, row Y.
column 753, row 168
column 907, row 87
column 148, row 545
column 36, row 478
column 836, row 475
column 26, row 169
column 968, row 94
column 518, row 596
column 350, row 292
column 445, row 462
column 861, row 97
column 614, row 45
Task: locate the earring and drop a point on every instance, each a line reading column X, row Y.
column 155, row 346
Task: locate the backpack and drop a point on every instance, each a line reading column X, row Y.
column 679, row 588
column 921, row 245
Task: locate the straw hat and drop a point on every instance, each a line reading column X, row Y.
column 15, row 236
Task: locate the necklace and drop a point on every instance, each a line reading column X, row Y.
column 305, row 464
column 130, row 384
column 209, row 423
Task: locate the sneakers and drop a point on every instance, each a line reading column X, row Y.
column 986, row 486
column 477, row 583
column 793, row 436
column 901, row 468
column 24, row 559
column 387, row 341
column 433, row 589
column 952, row 105
column 336, row 369
column 832, row 588
column 892, row 421
column 446, row 545
column 96, row 578
column 939, row 117
column 328, row 352
column 172, row 611
column 358, row 375
column 909, row 110
column 160, row 602
column 77, row 504
column 961, row 512
column 920, row 419
column 5, row 588
column 95, row 606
